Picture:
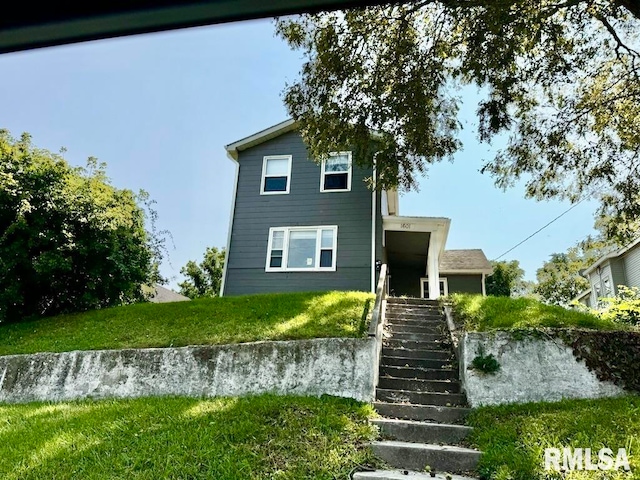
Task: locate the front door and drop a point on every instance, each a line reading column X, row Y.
column 424, row 287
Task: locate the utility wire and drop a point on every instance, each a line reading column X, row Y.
column 540, row 229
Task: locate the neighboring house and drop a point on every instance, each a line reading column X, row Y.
column 621, row 267
column 299, row 226
column 160, row 294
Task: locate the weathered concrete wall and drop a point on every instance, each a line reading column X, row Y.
column 531, row 370
column 336, row 366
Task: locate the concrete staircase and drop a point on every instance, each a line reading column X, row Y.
column 419, row 397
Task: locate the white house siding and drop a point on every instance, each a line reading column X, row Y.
column 617, row 273
column 631, row 262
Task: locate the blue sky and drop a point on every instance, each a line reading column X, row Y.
column 159, row 108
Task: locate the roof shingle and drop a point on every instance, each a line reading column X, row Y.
column 464, row 260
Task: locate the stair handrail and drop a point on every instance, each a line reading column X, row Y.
column 381, row 296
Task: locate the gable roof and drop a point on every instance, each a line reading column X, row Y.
column 465, row 261
column 615, row 254
column 260, row 137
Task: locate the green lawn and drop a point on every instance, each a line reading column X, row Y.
column 479, row 313
column 513, row 437
column 198, row 322
column 178, row 438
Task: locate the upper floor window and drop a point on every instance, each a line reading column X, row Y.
column 276, row 174
column 336, row 173
column 302, row 249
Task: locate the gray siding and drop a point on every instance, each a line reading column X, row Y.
column 631, row 262
column 464, row 283
column 304, row 206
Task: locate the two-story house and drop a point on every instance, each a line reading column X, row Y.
column 300, row 226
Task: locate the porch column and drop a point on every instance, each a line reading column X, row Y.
column 433, row 269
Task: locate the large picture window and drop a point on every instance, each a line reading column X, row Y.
column 276, row 175
column 336, row 173
column 302, row 249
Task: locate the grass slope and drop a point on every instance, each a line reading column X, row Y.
column 179, row 438
column 198, row 322
column 480, row 313
column 513, row 437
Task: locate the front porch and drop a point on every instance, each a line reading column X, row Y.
column 412, row 247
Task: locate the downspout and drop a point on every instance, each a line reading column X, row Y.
column 373, row 231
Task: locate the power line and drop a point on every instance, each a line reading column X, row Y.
column 540, row 229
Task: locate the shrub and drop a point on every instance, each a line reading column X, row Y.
column 624, row 307
column 485, row 363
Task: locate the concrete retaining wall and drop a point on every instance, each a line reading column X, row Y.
column 336, row 366
column 531, row 370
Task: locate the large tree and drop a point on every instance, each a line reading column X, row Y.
column 69, row 240
column 507, row 279
column 203, row 279
column 559, row 280
column 561, row 77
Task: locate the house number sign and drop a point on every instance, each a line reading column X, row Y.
column 405, row 226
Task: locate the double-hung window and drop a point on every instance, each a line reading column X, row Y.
column 336, row 173
column 276, row 174
column 301, row 249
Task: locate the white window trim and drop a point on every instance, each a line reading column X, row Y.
column 264, row 173
column 349, row 174
column 444, row 280
column 285, row 249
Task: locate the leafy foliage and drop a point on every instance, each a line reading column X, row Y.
column 559, row 279
column 612, row 356
column 204, row 279
column 506, row 279
column 69, row 240
column 561, row 77
column 624, row 307
column 485, row 363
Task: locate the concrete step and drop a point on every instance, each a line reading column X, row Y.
column 419, row 373
column 413, row 301
column 417, row 363
column 396, row 328
column 402, row 314
column 416, row 456
column 434, row 344
column 420, row 337
column 443, row 354
column 421, row 432
column 418, row 385
column 406, row 475
column 427, row 413
column 421, row 398
column 400, row 323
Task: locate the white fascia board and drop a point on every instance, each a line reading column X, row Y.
column 417, row 224
column 259, row 137
column 391, row 202
column 471, row 271
column 231, row 215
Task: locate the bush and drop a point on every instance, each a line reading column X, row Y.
column 624, row 307
column 69, row 240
